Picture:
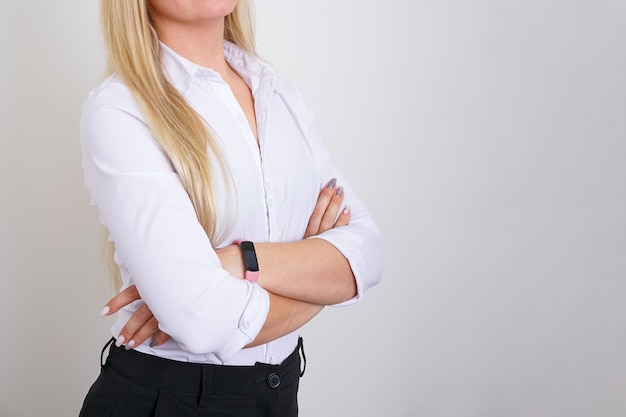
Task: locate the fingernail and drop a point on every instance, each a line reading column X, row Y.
column 130, row 344
column 346, row 210
column 105, row 311
column 153, row 343
column 340, row 191
column 120, row 341
column 331, row 183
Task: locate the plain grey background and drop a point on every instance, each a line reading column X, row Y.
column 488, row 139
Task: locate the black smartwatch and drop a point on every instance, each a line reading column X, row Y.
column 249, row 260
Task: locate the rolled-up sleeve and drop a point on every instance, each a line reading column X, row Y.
column 359, row 241
column 153, row 225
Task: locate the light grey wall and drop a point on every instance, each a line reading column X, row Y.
column 488, row 139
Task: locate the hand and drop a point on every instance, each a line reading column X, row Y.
column 326, row 213
column 141, row 325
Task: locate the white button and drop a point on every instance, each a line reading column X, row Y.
column 240, row 118
column 245, row 325
column 354, row 244
column 270, row 202
column 268, row 185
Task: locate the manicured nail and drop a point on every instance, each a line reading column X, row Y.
column 120, row 341
column 340, row 191
column 130, row 345
column 153, row 343
column 346, row 210
column 331, row 183
column 105, row 311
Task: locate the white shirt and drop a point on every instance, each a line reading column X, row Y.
column 160, row 245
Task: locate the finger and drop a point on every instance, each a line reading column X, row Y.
column 148, row 329
column 323, row 200
column 140, row 318
column 159, row 338
column 344, row 217
column 122, row 299
column 332, row 211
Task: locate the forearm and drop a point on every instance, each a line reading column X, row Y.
column 310, row 270
column 285, row 316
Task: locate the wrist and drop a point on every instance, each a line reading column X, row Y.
column 231, row 260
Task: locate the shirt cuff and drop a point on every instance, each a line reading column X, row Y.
column 350, row 245
column 250, row 323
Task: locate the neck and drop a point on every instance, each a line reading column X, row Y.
column 202, row 44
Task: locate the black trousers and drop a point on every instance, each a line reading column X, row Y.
column 134, row 384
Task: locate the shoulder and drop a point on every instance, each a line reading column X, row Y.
column 114, row 129
column 111, row 94
column 288, row 90
column 109, row 115
column 292, row 99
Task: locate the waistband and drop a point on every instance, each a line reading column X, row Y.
column 204, row 380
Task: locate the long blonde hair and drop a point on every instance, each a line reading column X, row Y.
column 134, row 53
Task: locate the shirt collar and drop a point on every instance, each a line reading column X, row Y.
column 181, row 72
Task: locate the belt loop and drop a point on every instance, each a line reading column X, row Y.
column 102, row 362
column 205, row 386
column 301, row 351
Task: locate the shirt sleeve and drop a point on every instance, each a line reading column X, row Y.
column 153, row 225
column 359, row 241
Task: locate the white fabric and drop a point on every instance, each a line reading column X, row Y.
column 160, row 245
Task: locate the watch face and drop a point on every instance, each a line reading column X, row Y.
column 249, row 256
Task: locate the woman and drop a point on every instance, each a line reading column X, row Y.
column 191, row 146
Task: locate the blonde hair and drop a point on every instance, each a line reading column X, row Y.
column 134, row 53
